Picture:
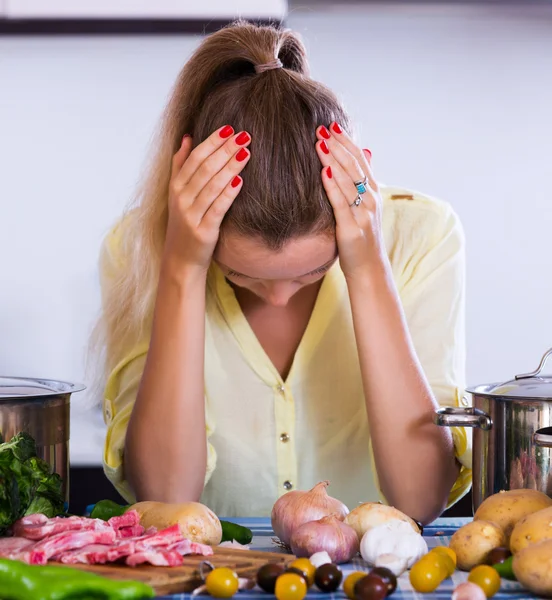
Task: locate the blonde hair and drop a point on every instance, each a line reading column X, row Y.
column 282, row 196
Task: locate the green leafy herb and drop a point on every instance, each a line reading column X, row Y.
column 27, row 485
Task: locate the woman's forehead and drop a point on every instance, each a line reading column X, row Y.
column 251, row 257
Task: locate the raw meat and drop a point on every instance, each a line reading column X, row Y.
column 158, row 558
column 10, row 545
column 78, row 540
column 186, row 547
column 129, row 519
column 92, row 554
column 57, row 544
column 168, row 536
column 134, row 531
column 37, row 527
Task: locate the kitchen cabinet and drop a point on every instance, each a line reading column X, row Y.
column 131, row 16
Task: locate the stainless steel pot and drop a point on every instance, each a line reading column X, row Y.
column 512, row 435
column 41, row 408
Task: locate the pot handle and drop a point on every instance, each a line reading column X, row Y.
column 543, row 437
column 543, row 361
column 462, row 417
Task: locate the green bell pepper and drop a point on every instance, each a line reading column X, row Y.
column 105, row 509
column 19, row 581
column 505, row 569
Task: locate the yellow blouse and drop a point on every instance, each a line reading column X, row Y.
column 266, row 435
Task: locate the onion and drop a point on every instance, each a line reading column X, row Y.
column 328, row 534
column 295, row 508
column 468, row 591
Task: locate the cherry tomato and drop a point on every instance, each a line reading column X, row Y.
column 486, row 578
column 446, row 550
column 222, row 583
column 388, row 576
column 349, row 583
column 371, row 587
column 267, row 575
column 425, row 576
column 328, row 577
column 441, row 560
column 497, row 556
column 306, row 567
column 290, row 586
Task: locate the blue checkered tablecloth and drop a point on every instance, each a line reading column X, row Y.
column 437, row 534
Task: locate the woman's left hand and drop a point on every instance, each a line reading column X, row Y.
column 359, row 231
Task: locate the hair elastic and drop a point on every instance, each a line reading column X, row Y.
column 273, row 64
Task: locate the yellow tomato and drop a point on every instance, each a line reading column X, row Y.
column 447, row 551
column 222, row 583
column 306, row 567
column 426, row 575
column 486, row 578
column 290, row 586
column 441, row 560
column 349, row 583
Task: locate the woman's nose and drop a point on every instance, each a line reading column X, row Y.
column 279, row 294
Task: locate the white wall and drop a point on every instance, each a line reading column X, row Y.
column 453, row 101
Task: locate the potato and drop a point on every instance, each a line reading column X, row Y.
column 533, row 568
column 370, row 514
column 507, row 508
column 474, row 541
column 531, row 529
column 197, row 522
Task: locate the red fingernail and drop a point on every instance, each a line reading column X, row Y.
column 243, row 138
column 329, row 172
column 236, row 181
column 337, row 128
column 325, row 133
column 226, row 131
column 186, row 135
column 242, row 155
column 368, row 151
column 324, row 147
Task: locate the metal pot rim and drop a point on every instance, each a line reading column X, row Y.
column 488, row 391
column 30, row 388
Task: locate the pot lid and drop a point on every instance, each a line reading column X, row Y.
column 528, row 385
column 22, row 387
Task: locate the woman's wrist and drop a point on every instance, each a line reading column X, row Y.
column 174, row 271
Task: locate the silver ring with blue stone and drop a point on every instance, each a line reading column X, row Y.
column 362, row 186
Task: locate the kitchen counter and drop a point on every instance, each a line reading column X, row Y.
column 437, row 534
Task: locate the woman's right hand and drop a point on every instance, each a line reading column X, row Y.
column 204, row 183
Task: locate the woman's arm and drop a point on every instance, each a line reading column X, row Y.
column 166, row 446
column 415, row 459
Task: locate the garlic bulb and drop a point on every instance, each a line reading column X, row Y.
column 371, row 514
column 393, row 537
column 396, row 564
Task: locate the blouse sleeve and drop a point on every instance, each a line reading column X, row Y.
column 120, row 394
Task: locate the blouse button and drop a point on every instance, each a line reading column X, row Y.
column 288, row 485
column 281, row 389
column 284, row 437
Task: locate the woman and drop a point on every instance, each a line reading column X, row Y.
column 273, row 317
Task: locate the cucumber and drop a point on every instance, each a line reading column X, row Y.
column 233, row 531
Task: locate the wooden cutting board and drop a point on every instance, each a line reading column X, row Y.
column 173, row 580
